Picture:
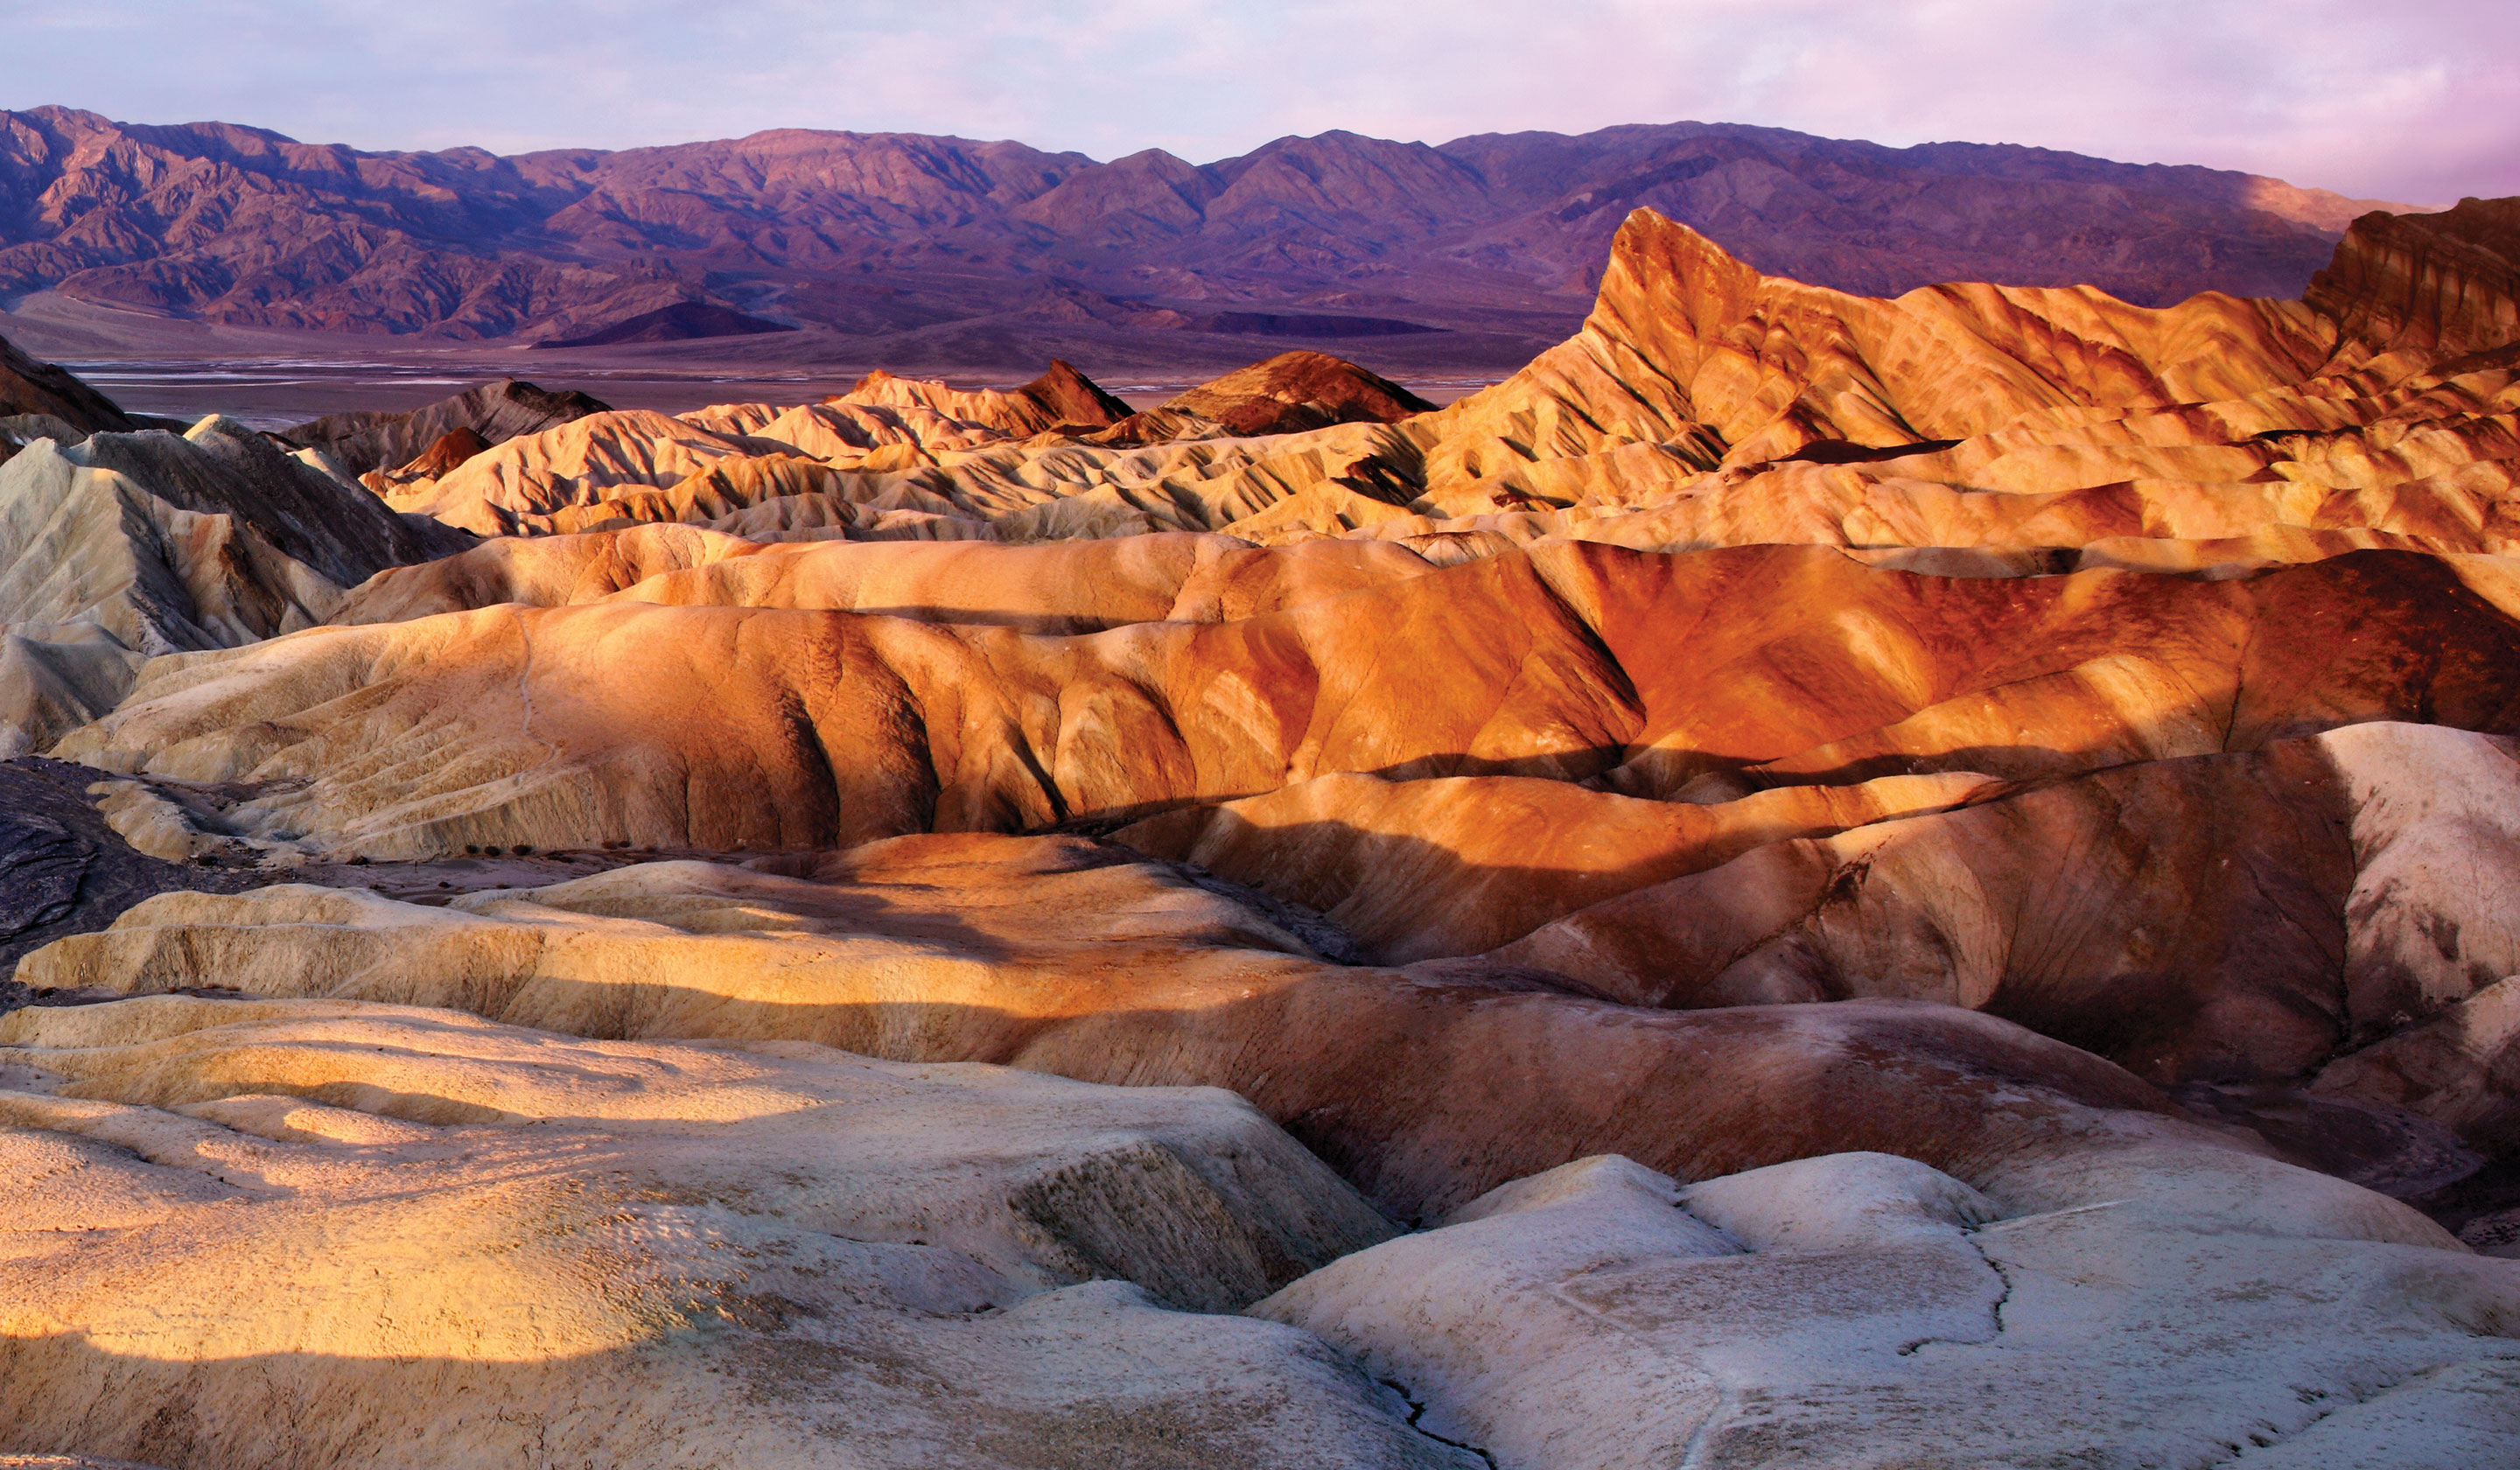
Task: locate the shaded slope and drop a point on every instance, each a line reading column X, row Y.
column 683, row 322
column 64, row 869
column 27, row 386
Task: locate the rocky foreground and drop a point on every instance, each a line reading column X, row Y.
column 1811, row 880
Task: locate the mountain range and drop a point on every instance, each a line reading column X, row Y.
column 912, row 249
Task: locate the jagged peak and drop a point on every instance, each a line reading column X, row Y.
column 1073, row 397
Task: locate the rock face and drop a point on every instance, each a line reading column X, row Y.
column 1810, row 877
column 922, row 246
column 1067, row 396
column 2444, row 282
column 1288, row 393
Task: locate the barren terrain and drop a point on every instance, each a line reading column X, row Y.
column 1813, row 877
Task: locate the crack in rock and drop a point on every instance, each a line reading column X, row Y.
column 2268, row 1435
column 2002, row 1300
column 1417, row 1411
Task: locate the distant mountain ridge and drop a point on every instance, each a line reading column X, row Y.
column 924, row 245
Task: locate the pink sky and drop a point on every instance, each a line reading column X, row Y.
column 2409, row 99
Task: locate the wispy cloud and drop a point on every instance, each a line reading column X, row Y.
column 2415, row 99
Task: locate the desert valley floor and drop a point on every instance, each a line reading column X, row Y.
column 1809, row 881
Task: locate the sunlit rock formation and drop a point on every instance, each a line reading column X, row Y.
column 1702, row 405
column 572, row 726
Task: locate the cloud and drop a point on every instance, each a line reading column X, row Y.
column 2415, row 99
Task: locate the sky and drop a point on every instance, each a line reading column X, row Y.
column 2408, row 100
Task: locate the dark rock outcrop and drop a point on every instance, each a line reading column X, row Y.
column 1287, row 394
column 1068, row 396
column 682, row 322
column 62, row 870
column 496, row 412
column 27, row 386
column 341, row 531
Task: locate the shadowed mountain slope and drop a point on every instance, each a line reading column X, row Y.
column 118, row 546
